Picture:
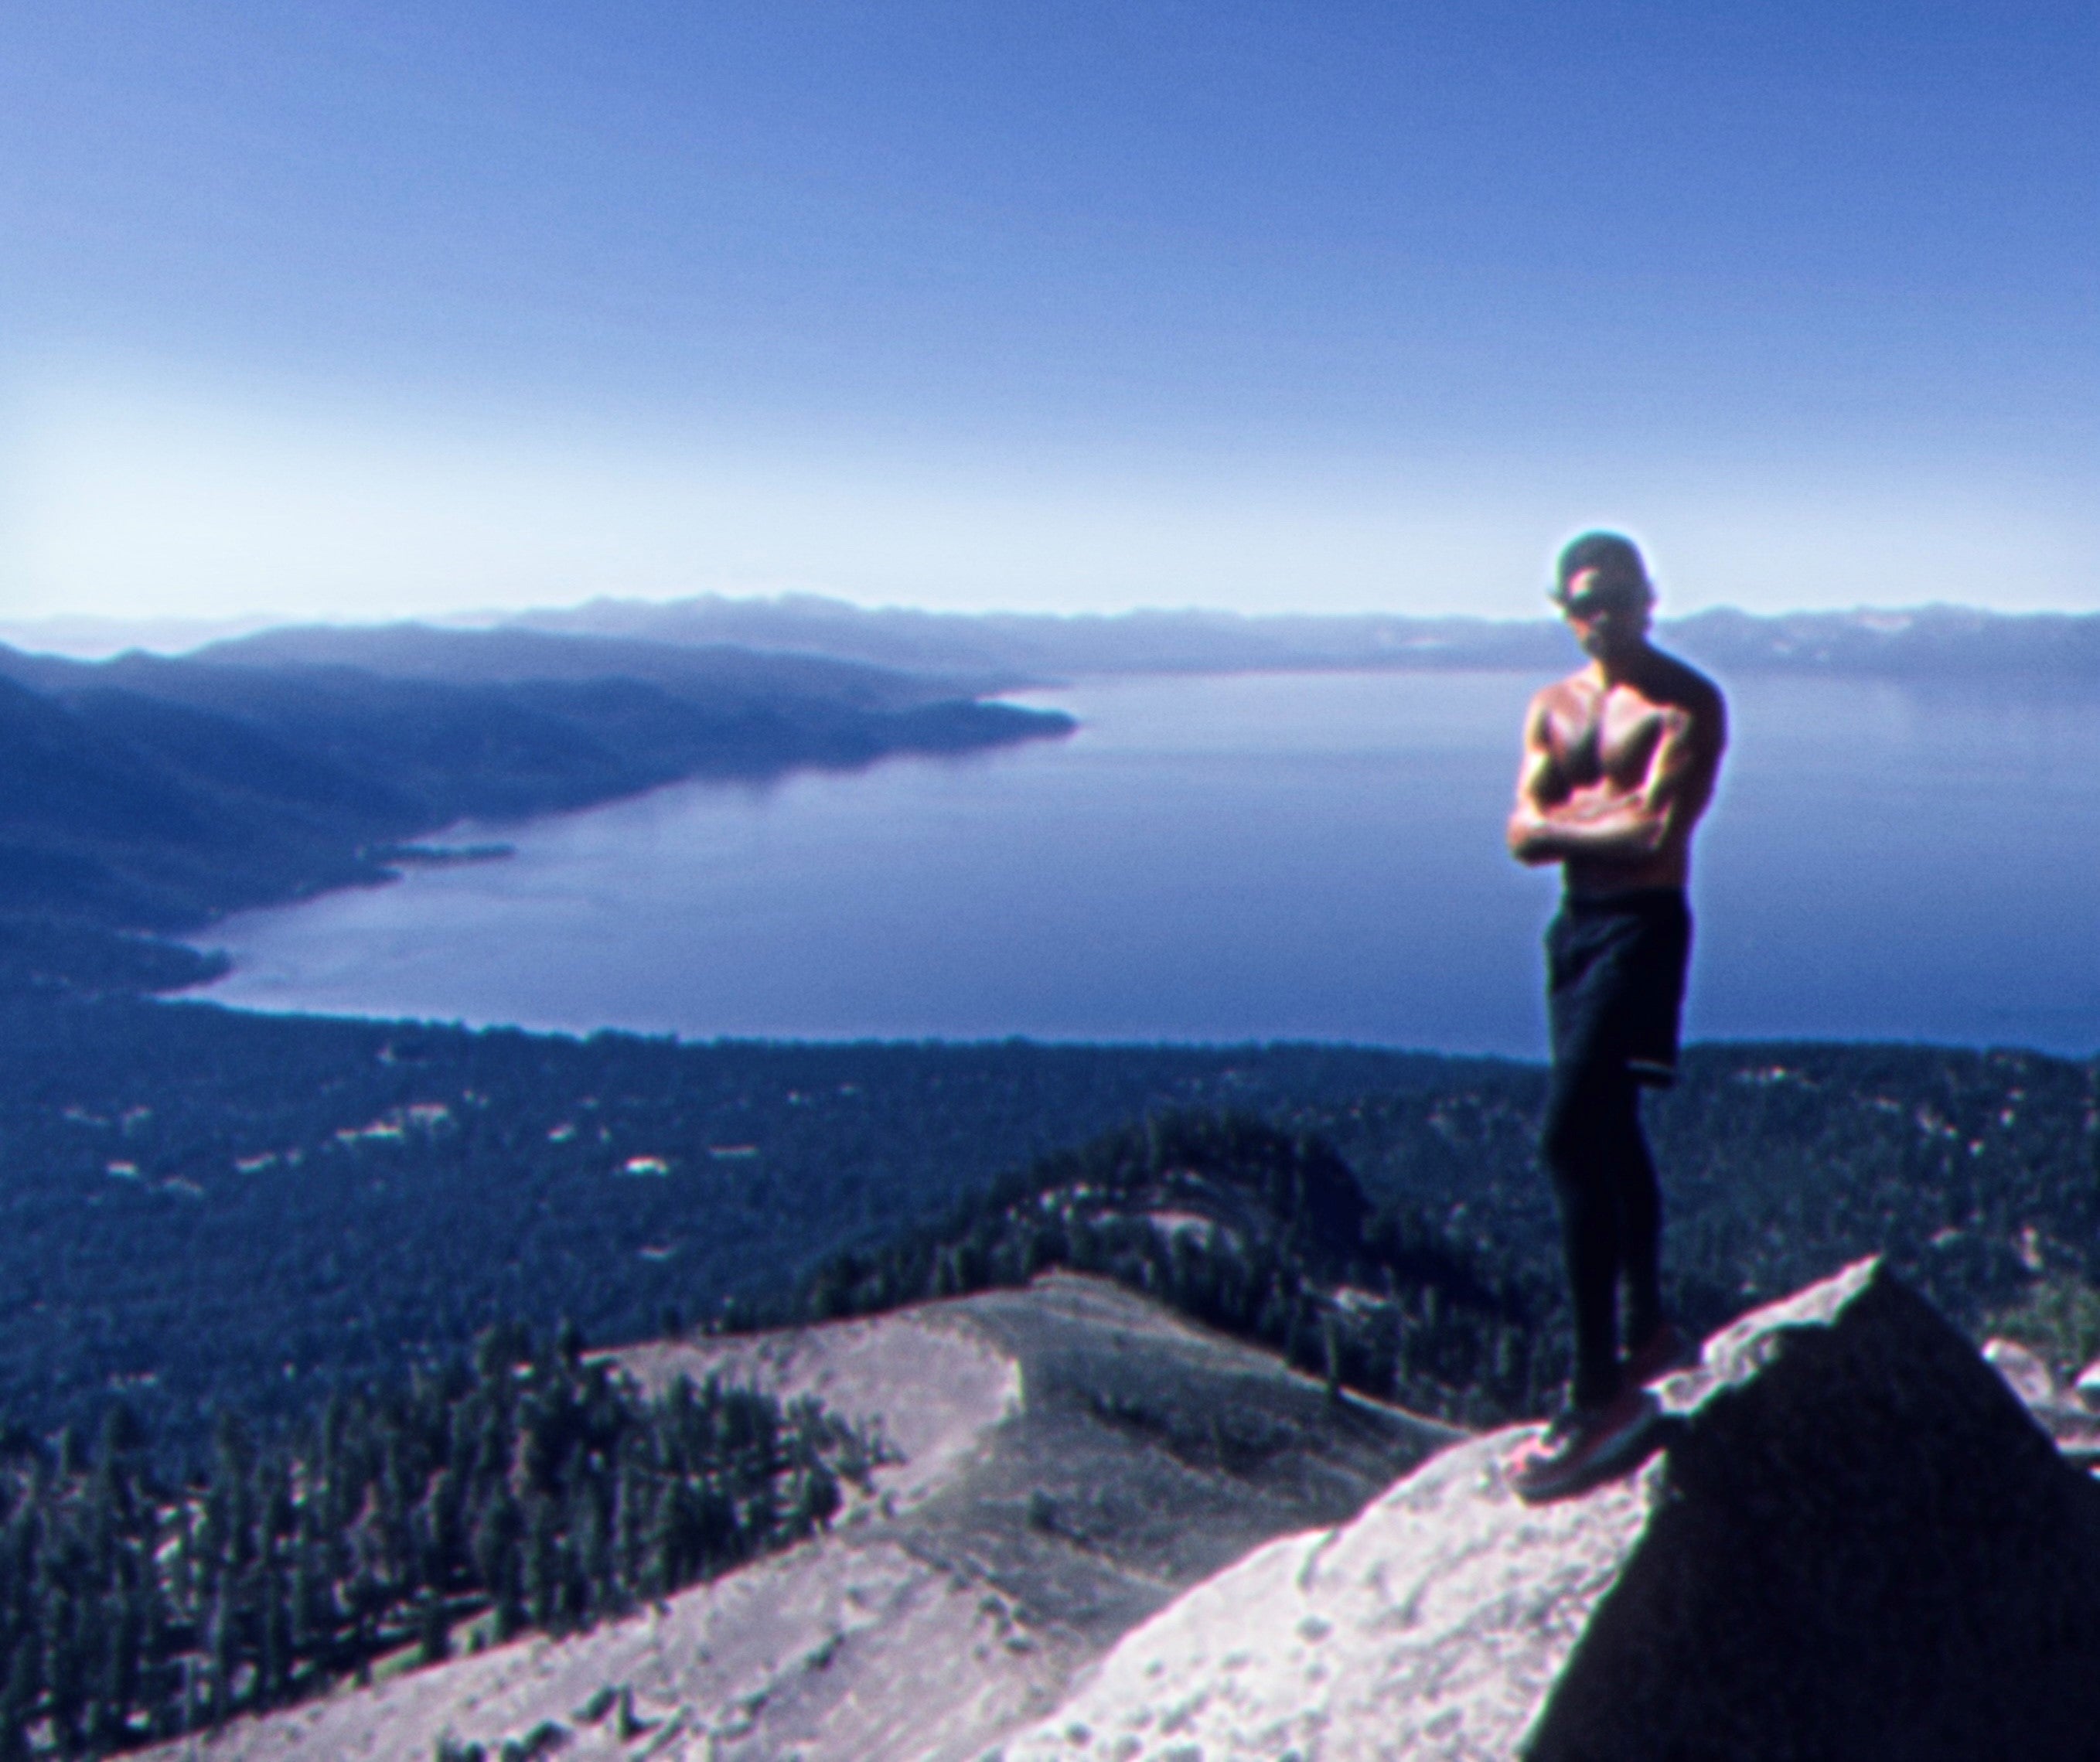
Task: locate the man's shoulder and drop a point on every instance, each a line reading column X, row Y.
column 1563, row 696
column 1581, row 685
column 1685, row 684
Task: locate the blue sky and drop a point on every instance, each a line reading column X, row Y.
column 361, row 309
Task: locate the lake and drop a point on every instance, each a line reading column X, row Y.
column 1254, row 858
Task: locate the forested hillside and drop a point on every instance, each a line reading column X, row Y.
column 144, row 795
column 285, row 1266
column 1435, row 1281
column 525, row 1488
column 201, row 1207
column 205, row 1209
column 1973, row 1170
column 1258, row 1232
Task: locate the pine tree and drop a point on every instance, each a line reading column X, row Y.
column 433, row 1634
column 223, row 1645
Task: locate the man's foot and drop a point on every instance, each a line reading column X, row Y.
column 1670, row 1348
column 1586, row 1446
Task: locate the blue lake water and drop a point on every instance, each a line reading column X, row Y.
column 1254, row 858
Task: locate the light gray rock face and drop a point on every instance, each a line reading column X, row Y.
column 2071, row 1416
column 1859, row 1545
column 1433, row 1625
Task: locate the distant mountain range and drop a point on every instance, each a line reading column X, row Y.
column 975, row 652
column 1923, row 642
column 146, row 794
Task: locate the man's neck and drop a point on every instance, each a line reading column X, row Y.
column 1624, row 667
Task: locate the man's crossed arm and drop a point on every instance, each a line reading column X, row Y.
column 1553, row 823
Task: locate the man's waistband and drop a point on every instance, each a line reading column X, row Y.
column 1631, row 902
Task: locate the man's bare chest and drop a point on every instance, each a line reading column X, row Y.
column 1602, row 736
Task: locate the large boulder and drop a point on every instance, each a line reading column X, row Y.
column 1859, row 1545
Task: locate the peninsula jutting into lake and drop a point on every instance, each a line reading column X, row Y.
column 147, row 795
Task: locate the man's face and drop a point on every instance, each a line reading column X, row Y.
column 1607, row 613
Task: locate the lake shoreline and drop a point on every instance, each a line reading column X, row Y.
column 1275, row 857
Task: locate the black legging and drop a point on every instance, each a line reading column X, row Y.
column 1611, row 1216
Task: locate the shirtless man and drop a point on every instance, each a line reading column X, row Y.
column 1619, row 763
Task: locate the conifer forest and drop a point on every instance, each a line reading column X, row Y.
column 293, row 1385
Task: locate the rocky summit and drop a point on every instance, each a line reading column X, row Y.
column 1860, row 1543
column 1094, row 1542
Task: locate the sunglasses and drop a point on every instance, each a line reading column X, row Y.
column 1597, row 601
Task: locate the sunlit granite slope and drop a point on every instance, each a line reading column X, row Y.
column 1860, row 1544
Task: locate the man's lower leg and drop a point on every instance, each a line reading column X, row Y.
column 1640, row 1216
column 1589, row 1242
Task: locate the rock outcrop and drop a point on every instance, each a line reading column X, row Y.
column 2071, row 1416
column 1859, row 1545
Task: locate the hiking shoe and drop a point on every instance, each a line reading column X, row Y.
column 1586, row 1446
column 1670, row 1348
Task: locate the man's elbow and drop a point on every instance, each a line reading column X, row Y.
column 1651, row 836
column 1528, row 842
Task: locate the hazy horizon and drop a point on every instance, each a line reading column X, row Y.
column 91, row 637
column 366, row 311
